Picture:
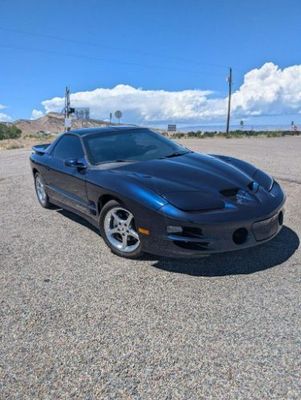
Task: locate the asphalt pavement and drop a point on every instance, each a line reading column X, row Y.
column 77, row 322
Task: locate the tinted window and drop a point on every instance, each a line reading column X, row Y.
column 68, row 147
column 138, row 145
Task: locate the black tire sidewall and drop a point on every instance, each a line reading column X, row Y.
column 107, row 207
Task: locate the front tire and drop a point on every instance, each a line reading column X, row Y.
column 118, row 229
column 41, row 191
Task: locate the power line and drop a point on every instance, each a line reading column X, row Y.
column 94, row 44
column 106, row 60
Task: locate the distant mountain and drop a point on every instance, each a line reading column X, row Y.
column 54, row 123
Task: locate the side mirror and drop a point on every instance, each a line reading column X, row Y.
column 80, row 164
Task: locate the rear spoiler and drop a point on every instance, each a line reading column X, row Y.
column 41, row 148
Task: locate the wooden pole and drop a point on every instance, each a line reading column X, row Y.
column 229, row 99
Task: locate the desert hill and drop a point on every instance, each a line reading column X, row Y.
column 53, row 123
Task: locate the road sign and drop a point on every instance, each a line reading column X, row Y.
column 118, row 114
column 82, row 113
column 172, row 128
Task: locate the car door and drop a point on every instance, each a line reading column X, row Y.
column 67, row 184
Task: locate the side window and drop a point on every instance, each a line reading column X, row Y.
column 68, row 147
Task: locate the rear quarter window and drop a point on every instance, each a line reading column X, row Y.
column 69, row 146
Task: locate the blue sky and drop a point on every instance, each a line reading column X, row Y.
column 146, row 45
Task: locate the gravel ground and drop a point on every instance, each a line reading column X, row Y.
column 78, row 322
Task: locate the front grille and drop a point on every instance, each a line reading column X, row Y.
column 200, row 246
column 191, row 231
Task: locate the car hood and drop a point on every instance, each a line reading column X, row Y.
column 189, row 172
column 192, row 181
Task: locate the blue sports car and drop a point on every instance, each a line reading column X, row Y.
column 147, row 193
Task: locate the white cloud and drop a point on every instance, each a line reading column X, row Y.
column 137, row 105
column 4, row 117
column 36, row 114
column 268, row 90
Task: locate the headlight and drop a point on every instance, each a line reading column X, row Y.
column 174, row 229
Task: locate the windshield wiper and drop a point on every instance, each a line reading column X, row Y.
column 121, row 160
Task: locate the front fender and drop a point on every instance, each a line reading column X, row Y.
column 124, row 188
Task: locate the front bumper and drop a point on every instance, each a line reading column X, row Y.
column 216, row 238
column 215, row 232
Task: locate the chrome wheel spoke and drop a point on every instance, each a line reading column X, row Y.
column 114, row 230
column 40, row 188
column 124, row 242
column 116, row 218
column 120, row 231
column 129, row 219
column 134, row 234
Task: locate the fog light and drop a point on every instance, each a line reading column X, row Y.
column 240, row 236
column 174, row 229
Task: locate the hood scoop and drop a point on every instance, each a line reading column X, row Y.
column 230, row 193
column 253, row 186
column 233, row 193
column 240, row 196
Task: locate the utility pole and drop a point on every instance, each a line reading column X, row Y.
column 67, row 109
column 229, row 99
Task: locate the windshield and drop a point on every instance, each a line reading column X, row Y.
column 129, row 145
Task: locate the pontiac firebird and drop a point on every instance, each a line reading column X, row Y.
column 147, row 193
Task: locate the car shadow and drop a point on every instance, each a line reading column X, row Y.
column 247, row 261
column 76, row 218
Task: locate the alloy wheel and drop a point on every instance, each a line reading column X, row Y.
column 120, row 230
column 40, row 188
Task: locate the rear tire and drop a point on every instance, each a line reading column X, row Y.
column 118, row 229
column 41, row 191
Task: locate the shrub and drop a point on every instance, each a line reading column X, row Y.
column 234, row 134
column 9, row 132
column 14, row 146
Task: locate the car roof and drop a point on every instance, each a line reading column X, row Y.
column 106, row 129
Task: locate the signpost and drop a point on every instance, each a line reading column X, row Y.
column 118, row 115
column 172, row 128
column 82, row 113
column 68, row 123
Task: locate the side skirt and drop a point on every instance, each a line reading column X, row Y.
column 91, row 220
